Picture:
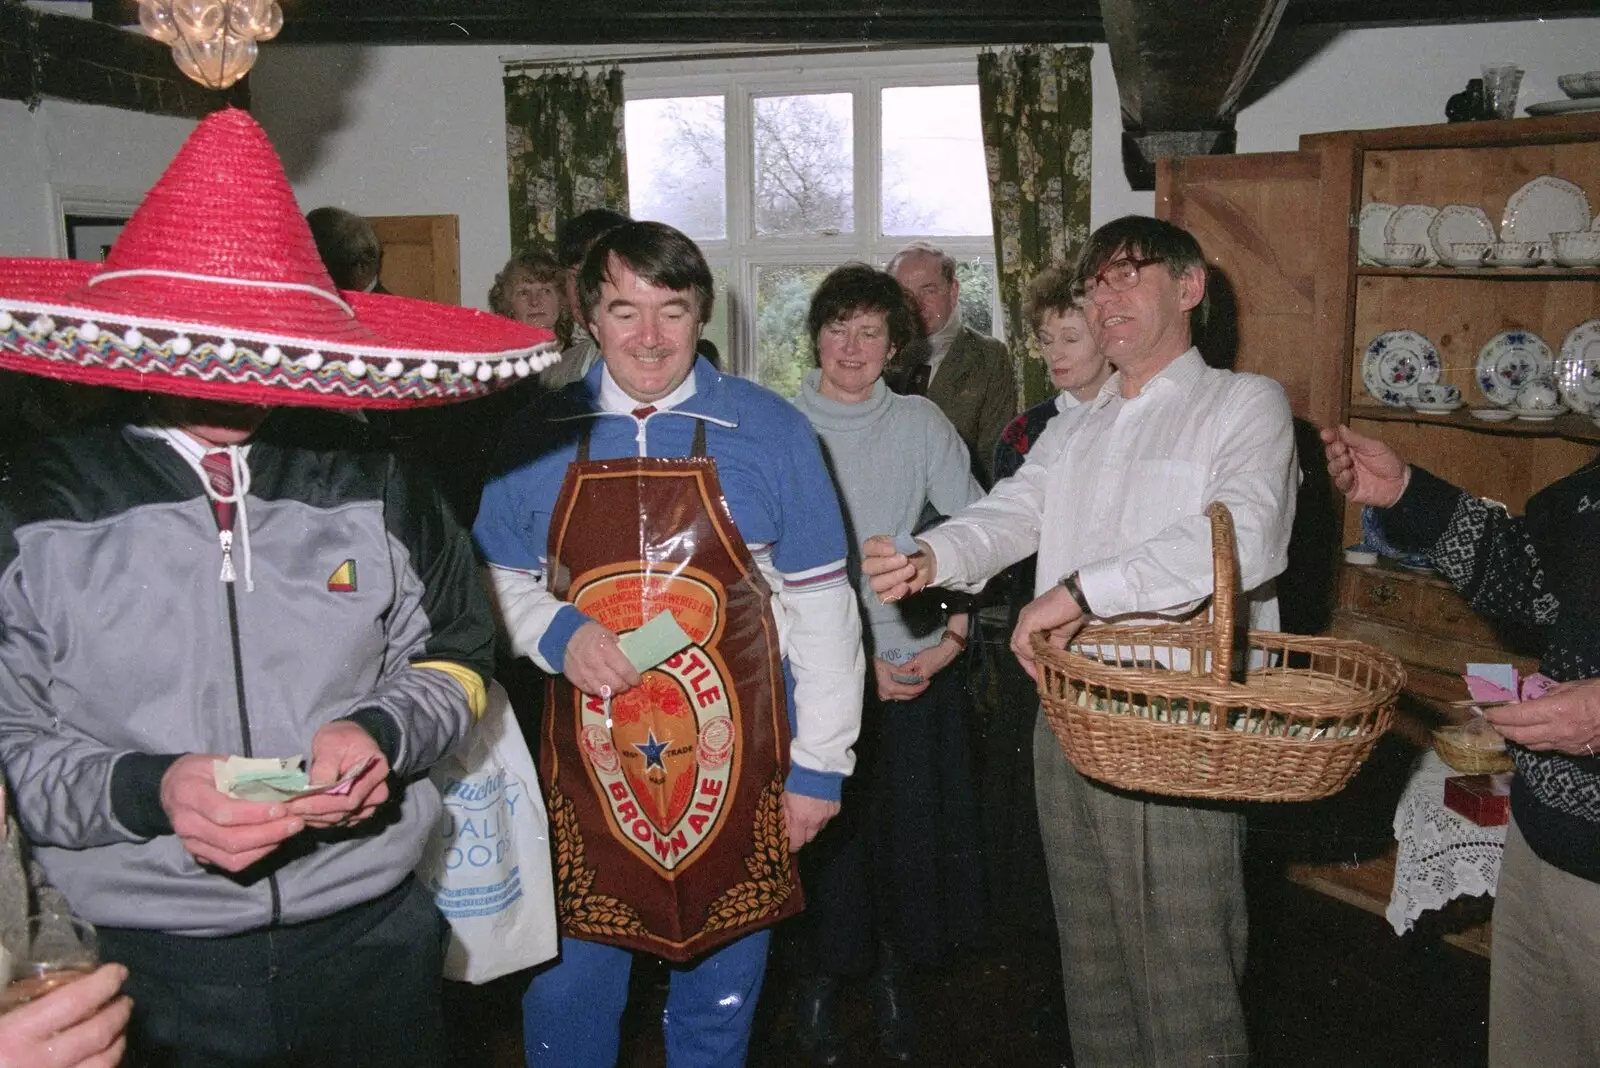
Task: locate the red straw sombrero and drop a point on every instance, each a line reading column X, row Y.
column 214, row 289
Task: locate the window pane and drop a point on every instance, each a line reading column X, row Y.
column 783, row 350
column 934, row 177
column 977, row 295
column 804, row 166
column 677, row 163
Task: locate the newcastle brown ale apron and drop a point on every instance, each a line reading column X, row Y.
column 665, row 802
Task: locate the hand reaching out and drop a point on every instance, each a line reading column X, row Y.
column 1567, row 719
column 1364, row 469
column 895, row 575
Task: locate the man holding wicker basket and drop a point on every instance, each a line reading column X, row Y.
column 1148, row 891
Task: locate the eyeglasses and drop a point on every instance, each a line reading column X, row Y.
column 1119, row 276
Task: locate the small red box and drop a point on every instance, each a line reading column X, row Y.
column 1483, row 799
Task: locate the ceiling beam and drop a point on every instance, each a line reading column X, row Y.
column 48, row 55
column 930, row 22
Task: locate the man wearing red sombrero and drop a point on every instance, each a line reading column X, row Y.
column 204, row 584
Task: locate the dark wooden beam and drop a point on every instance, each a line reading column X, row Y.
column 1358, row 13
column 674, row 21
column 931, row 22
column 46, row 55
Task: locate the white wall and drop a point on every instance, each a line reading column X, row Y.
column 113, row 154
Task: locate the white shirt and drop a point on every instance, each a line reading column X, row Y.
column 940, row 340
column 1116, row 489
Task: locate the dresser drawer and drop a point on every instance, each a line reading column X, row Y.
column 1447, row 614
column 1373, row 593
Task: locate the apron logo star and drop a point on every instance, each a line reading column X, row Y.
column 652, row 751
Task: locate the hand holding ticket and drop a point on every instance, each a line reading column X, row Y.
column 276, row 778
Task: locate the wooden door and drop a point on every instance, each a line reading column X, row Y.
column 1275, row 227
column 1276, row 230
column 421, row 256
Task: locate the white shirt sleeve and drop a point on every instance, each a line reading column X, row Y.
column 822, row 630
column 995, row 532
column 525, row 609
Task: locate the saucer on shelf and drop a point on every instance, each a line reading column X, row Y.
column 1434, row 409
column 1536, row 415
column 1491, row 415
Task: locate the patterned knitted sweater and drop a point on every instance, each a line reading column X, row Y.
column 1543, row 570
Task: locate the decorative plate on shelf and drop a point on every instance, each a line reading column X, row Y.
column 1409, row 224
column 1370, row 239
column 1396, row 363
column 1578, row 369
column 1564, row 107
column 1544, row 206
column 1458, row 223
column 1511, row 360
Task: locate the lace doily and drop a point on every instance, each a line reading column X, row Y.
column 1442, row 855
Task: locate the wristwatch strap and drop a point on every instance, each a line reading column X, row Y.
column 1070, row 584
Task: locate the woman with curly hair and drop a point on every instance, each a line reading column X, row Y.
column 531, row 288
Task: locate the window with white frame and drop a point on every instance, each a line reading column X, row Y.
column 782, row 175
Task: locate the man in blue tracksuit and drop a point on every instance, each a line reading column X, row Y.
column 678, row 789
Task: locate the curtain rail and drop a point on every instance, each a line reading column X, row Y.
column 514, row 66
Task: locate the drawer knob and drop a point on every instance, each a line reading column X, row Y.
column 1383, row 594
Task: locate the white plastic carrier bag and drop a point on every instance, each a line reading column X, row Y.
column 488, row 863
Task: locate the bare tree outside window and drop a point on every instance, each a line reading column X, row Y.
column 804, row 164
column 677, row 163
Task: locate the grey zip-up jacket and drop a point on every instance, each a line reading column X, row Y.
column 121, row 649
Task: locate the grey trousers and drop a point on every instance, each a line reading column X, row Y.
column 1544, row 977
column 1149, row 902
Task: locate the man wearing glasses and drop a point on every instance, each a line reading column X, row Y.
column 1148, row 891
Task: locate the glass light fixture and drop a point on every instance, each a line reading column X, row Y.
column 213, row 41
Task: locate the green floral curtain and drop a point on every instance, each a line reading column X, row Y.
column 1037, row 110
column 564, row 151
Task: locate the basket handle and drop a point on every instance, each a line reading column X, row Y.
column 1226, row 580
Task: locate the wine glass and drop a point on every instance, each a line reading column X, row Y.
column 46, row 951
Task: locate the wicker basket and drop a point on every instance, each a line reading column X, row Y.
column 1470, row 759
column 1295, row 729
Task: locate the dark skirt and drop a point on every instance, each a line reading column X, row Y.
column 901, row 863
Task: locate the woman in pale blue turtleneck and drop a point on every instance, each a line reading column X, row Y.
column 897, row 877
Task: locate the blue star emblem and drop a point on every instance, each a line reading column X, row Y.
column 652, row 751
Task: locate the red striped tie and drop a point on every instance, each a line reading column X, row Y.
column 219, row 469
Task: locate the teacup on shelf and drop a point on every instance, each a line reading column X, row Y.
column 1438, row 395
column 1538, row 399
column 1514, row 254
column 1467, row 253
column 1402, row 254
column 1576, row 248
